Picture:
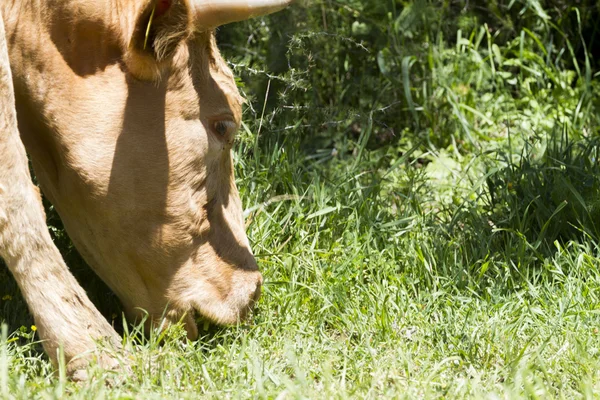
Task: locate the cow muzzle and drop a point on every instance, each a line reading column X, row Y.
column 220, row 301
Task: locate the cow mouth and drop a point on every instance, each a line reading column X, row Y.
column 198, row 318
column 199, row 304
column 203, row 325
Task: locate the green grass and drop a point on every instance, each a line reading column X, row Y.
column 423, row 201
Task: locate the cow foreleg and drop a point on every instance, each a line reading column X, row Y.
column 61, row 309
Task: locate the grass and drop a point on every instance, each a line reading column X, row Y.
column 428, row 230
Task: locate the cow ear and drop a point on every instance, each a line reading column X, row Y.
column 159, row 28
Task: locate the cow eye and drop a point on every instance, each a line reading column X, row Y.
column 224, row 127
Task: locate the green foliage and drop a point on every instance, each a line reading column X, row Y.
column 422, row 193
column 400, row 64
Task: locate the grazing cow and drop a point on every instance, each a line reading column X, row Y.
column 128, row 113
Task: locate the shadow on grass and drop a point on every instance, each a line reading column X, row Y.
column 531, row 207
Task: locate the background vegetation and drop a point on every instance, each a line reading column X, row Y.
column 422, row 191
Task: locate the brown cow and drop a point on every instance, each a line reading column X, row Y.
column 128, row 113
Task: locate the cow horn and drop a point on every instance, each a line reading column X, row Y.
column 212, row 13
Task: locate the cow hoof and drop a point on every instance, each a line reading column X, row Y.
column 80, row 375
column 78, row 370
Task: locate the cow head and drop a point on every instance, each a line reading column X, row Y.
column 129, row 114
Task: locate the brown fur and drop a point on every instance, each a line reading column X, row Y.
column 62, row 311
column 122, row 142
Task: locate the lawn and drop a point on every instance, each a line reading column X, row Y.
column 422, row 192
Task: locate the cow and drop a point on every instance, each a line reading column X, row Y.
column 128, row 113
